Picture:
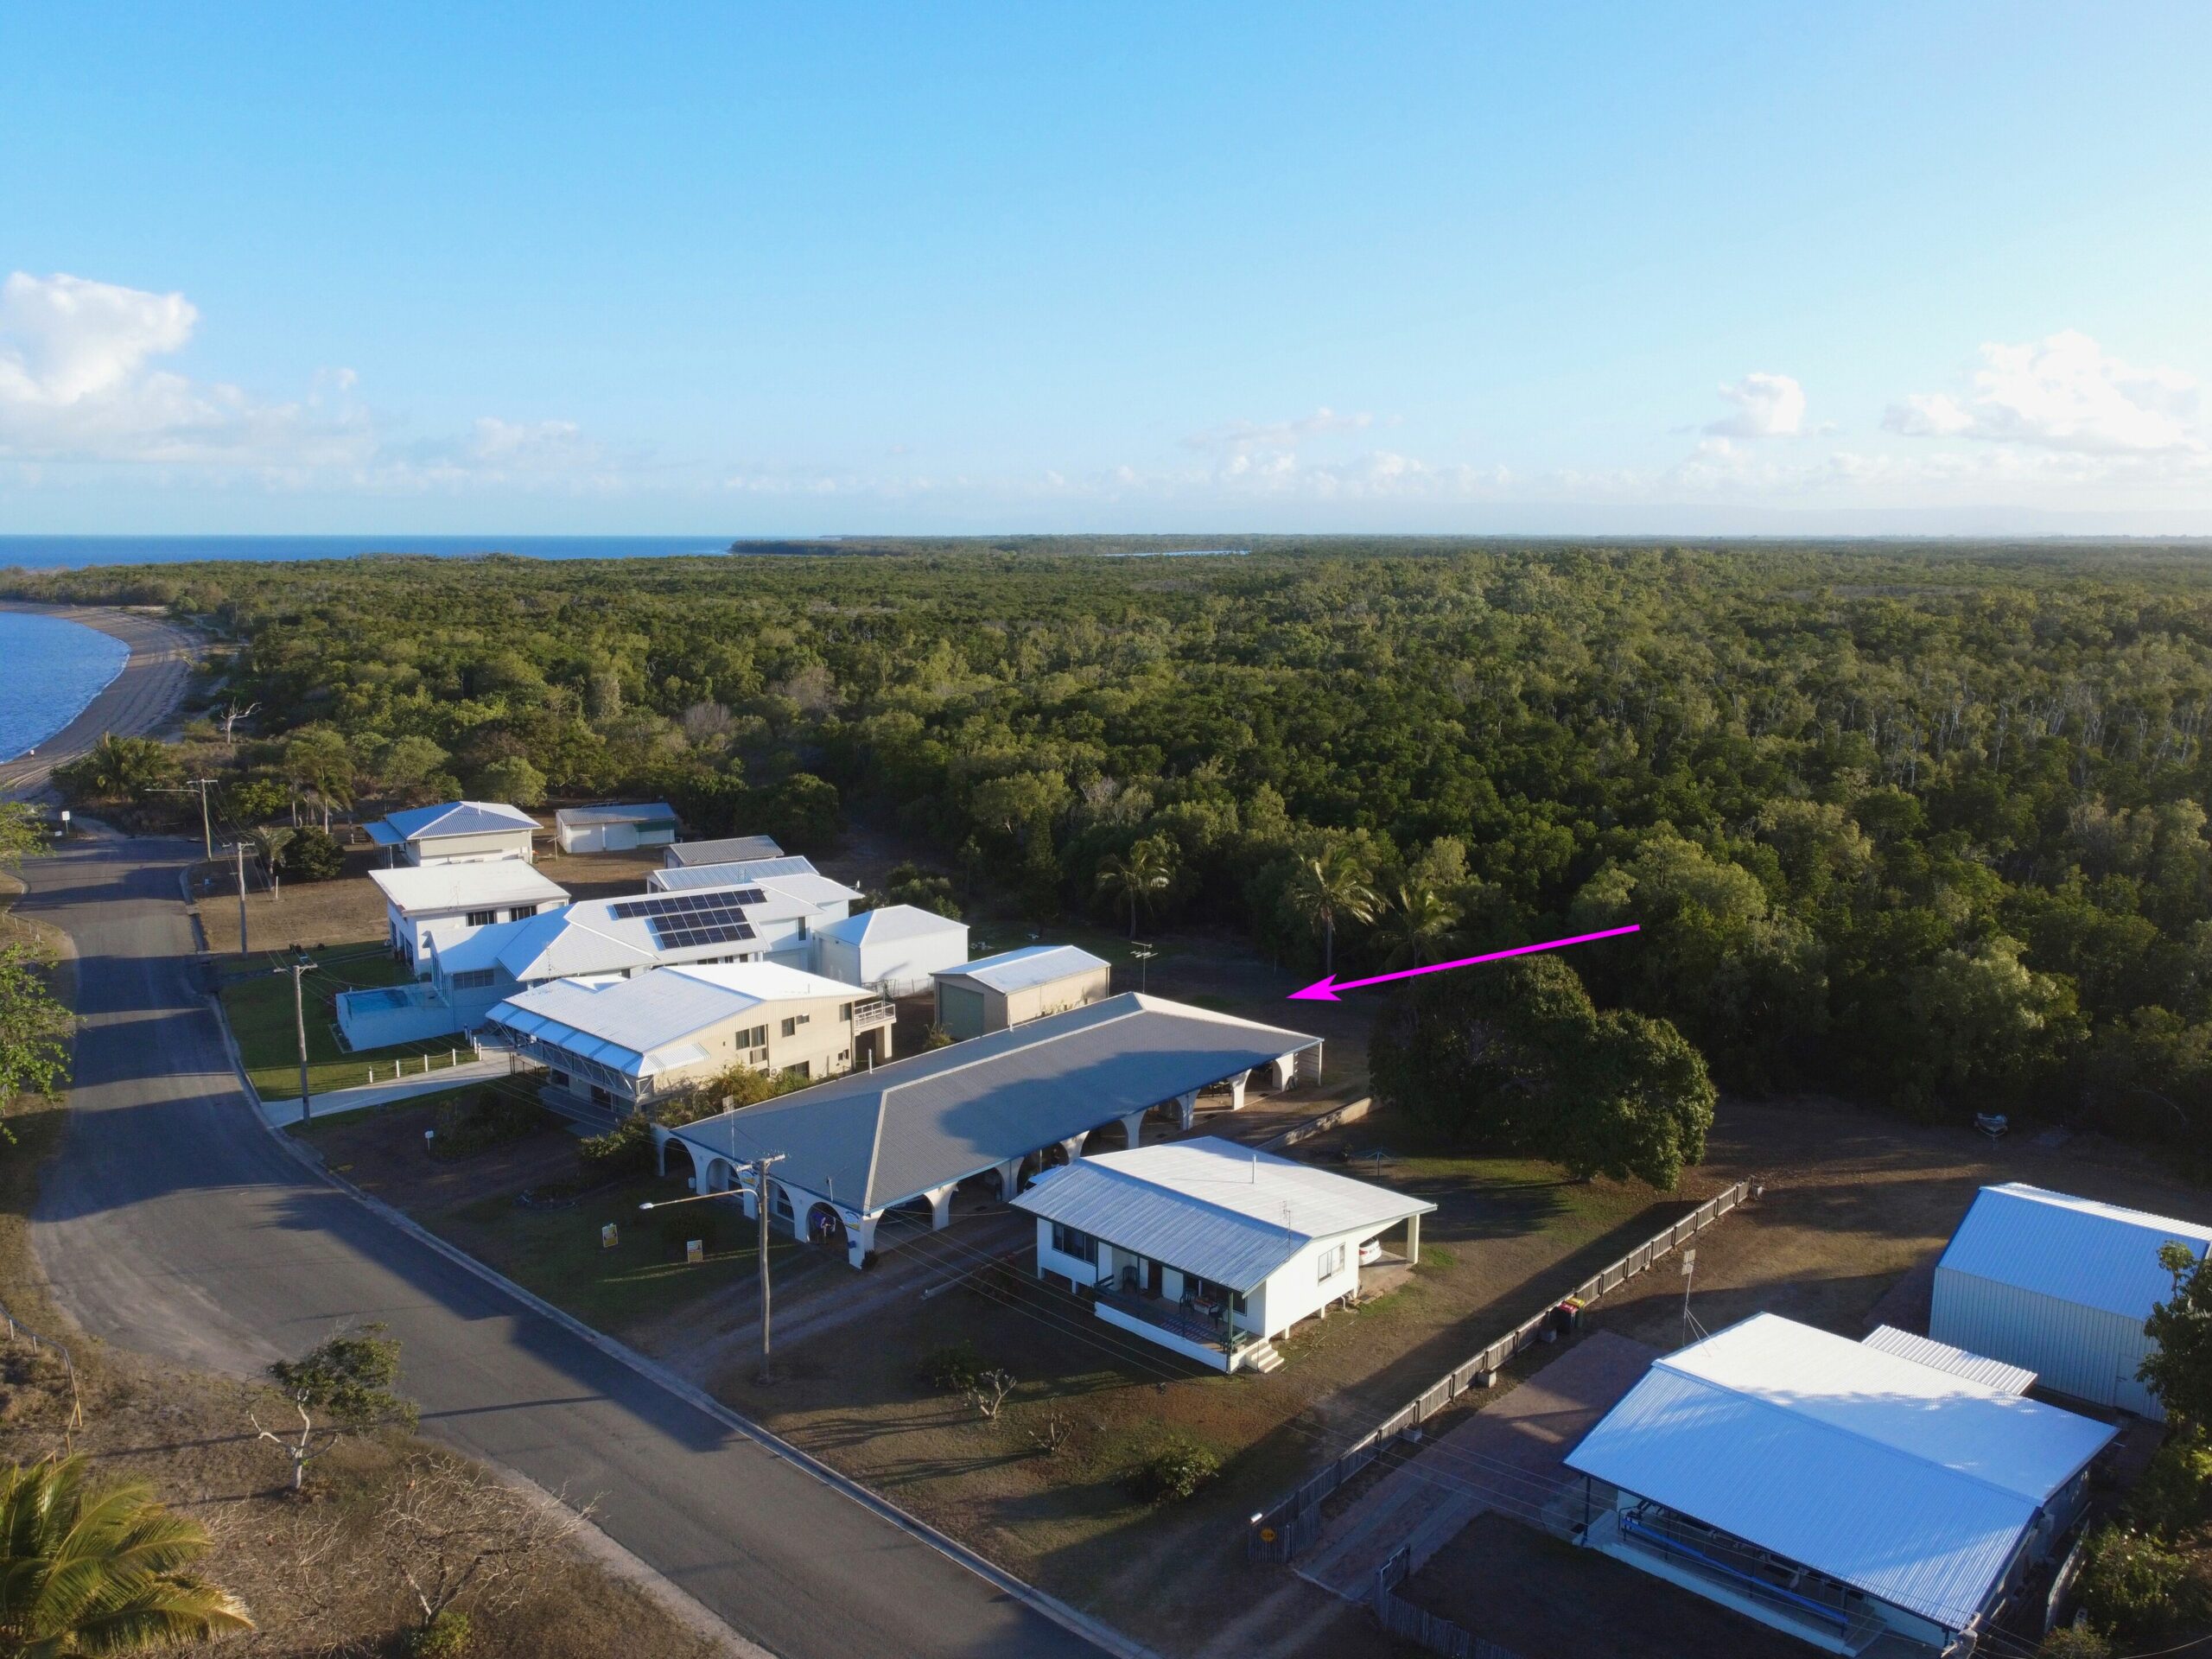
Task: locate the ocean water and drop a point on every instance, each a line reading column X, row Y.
column 49, row 670
column 70, row 552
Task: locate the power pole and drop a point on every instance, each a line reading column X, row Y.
column 200, row 786
column 241, row 852
column 300, row 965
column 760, row 1209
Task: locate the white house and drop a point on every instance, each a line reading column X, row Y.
column 731, row 850
column 895, row 948
column 452, row 901
column 1837, row 1491
column 904, row 1136
column 591, row 939
column 615, row 829
column 1209, row 1247
column 791, row 875
column 619, row 1045
column 992, row 993
column 456, row 832
column 2061, row 1284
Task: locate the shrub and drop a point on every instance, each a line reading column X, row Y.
column 954, row 1367
column 2174, row 1497
column 625, row 1150
column 2070, row 1642
column 311, row 854
column 1174, row 1470
column 482, row 1119
column 445, row 1637
column 2136, row 1586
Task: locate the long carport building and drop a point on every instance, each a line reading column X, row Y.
column 904, row 1136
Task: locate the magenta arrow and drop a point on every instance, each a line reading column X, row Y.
column 1324, row 991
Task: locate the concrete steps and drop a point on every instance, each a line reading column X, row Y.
column 1261, row 1357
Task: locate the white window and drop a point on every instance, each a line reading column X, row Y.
column 1068, row 1242
column 1331, row 1262
column 473, row 979
column 482, row 918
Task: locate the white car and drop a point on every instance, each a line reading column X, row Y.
column 1370, row 1253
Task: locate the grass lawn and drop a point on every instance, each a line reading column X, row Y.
column 1508, row 1237
column 257, row 999
column 556, row 1253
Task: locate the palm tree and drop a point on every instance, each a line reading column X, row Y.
column 1417, row 927
column 125, row 767
column 1133, row 880
column 84, row 1572
column 1327, row 888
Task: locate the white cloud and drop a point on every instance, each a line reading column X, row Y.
column 1767, row 406
column 81, row 385
column 1243, row 437
column 78, row 383
column 2064, row 393
column 65, row 340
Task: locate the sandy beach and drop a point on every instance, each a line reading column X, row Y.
column 141, row 700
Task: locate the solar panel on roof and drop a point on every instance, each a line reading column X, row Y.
column 688, row 904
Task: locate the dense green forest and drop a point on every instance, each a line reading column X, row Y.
column 1919, row 825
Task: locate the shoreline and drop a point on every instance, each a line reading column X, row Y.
column 140, row 701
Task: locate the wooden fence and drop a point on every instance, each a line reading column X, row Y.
column 1277, row 1534
column 1417, row 1625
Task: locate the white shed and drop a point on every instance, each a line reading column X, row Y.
column 895, row 949
column 2062, row 1285
column 1014, row 986
column 615, row 829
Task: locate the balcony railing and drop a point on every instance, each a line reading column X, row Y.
column 866, row 1016
column 1178, row 1318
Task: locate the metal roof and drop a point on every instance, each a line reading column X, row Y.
column 1211, row 1207
column 1032, row 965
column 729, row 850
column 2074, row 1250
column 873, row 1139
column 488, row 884
column 795, row 877
column 1913, row 1483
column 618, row 812
column 888, row 923
column 451, row 818
column 587, row 936
column 645, row 1025
column 1926, row 1351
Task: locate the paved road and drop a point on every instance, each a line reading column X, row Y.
column 139, row 700
column 171, row 1223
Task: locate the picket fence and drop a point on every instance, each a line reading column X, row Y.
column 1277, row 1534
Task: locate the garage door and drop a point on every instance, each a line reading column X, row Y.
column 960, row 1010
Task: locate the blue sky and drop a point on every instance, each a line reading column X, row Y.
column 817, row 270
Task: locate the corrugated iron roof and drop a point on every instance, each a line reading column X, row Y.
column 618, row 813
column 873, row 1139
column 456, row 818
column 1913, row 1483
column 643, row 1025
column 2074, row 1250
column 729, row 850
column 1032, row 965
column 890, row 922
column 489, row 884
column 1211, row 1207
column 1926, row 1351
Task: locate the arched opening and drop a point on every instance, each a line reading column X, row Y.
column 1113, row 1136
column 912, row 1216
column 824, row 1226
column 719, row 1176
